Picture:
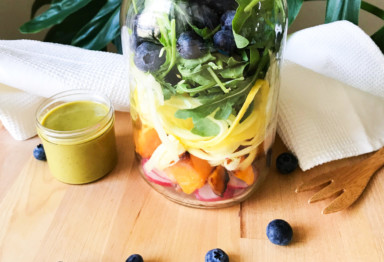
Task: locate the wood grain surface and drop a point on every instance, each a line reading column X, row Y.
column 42, row 219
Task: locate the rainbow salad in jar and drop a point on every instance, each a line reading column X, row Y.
column 203, row 99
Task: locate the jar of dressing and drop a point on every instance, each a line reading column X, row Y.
column 77, row 131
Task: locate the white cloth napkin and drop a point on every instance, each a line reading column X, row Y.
column 331, row 101
column 332, row 95
column 30, row 71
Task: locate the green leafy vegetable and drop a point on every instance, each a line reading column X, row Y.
column 251, row 14
column 205, row 127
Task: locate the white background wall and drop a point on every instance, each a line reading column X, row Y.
column 13, row 13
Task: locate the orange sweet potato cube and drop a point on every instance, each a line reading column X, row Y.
column 146, row 141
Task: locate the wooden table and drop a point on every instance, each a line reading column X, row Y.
column 42, row 219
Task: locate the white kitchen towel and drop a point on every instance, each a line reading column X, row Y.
column 332, row 94
column 331, row 102
column 32, row 70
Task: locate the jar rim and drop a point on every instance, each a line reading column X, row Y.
column 72, row 96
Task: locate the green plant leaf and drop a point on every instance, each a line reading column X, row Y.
column 294, row 7
column 37, row 4
column 64, row 32
column 100, row 32
column 342, row 10
column 95, row 25
column 57, row 12
column 378, row 38
column 372, row 9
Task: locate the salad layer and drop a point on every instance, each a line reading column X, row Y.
column 205, row 93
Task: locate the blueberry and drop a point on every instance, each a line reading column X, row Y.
column 286, row 163
column 216, row 255
column 203, row 16
column 147, row 57
column 279, row 232
column 135, row 258
column 39, row 153
column 224, row 41
column 190, row 45
column 226, row 19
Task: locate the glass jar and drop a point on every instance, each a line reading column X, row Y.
column 204, row 89
column 77, row 131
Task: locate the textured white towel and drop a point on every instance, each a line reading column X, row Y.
column 332, row 96
column 331, row 102
column 32, row 70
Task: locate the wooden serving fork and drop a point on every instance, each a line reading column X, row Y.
column 349, row 182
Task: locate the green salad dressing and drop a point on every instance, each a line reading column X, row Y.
column 75, row 115
column 89, row 152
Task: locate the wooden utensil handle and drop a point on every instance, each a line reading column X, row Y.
column 375, row 161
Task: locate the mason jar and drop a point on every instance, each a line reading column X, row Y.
column 204, row 88
column 76, row 128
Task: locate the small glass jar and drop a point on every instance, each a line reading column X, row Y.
column 77, row 131
column 204, row 88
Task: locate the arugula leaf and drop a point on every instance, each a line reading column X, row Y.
column 205, row 127
column 198, row 74
column 233, row 72
column 204, row 110
column 223, row 102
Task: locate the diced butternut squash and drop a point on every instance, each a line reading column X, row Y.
column 247, row 175
column 187, row 176
column 218, row 180
column 146, row 141
column 202, row 166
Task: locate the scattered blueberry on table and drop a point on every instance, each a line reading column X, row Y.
column 286, row 163
column 39, row 153
column 216, row 255
column 135, row 258
column 279, row 232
